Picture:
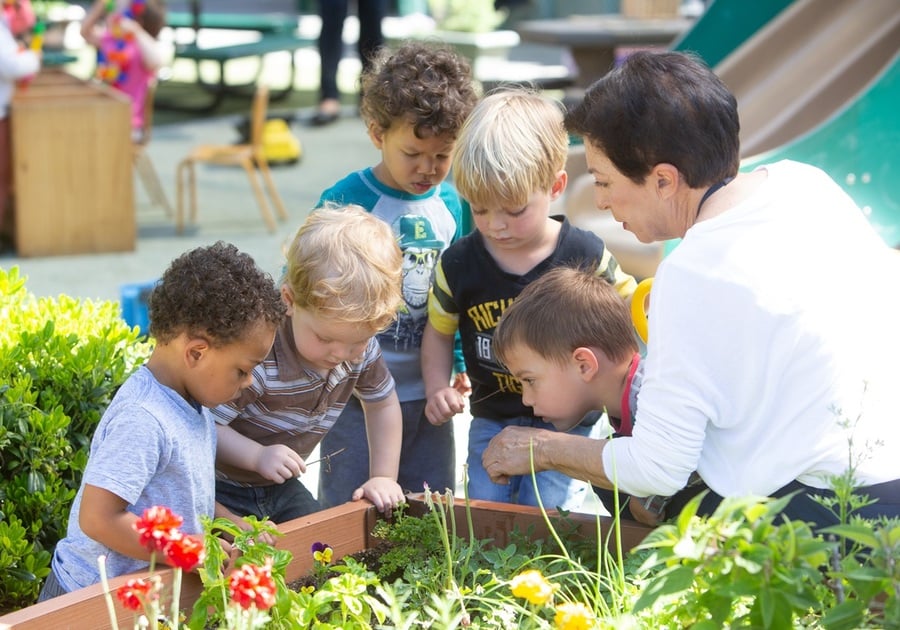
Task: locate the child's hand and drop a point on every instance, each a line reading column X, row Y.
column 383, row 492
column 279, row 463
column 462, row 384
column 264, row 537
column 443, row 404
column 231, row 555
column 127, row 25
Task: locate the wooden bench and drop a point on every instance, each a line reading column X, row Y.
column 268, row 43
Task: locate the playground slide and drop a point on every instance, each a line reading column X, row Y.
column 858, row 148
column 812, row 60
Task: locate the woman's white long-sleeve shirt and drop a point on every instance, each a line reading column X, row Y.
column 774, row 341
column 14, row 64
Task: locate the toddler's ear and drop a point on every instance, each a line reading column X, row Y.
column 559, row 185
column 588, row 362
column 194, row 350
column 287, row 296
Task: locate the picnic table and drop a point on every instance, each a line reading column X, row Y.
column 277, row 32
column 593, row 39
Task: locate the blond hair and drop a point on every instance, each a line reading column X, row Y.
column 512, row 145
column 345, row 265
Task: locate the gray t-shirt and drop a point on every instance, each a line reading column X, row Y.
column 151, row 448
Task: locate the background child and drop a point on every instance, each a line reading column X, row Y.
column 341, row 286
column 20, row 18
column 213, row 316
column 128, row 56
column 414, row 102
column 509, row 166
column 568, row 340
column 15, row 64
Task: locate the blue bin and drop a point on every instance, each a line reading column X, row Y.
column 134, row 304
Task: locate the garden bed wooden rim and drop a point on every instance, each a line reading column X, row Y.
column 347, row 528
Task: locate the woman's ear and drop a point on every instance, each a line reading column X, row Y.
column 586, row 362
column 667, row 179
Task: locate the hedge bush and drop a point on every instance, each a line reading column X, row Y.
column 61, row 362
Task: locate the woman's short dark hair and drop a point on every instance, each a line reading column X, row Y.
column 662, row 107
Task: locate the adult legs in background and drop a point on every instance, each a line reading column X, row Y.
column 427, row 455
column 331, row 48
column 371, row 38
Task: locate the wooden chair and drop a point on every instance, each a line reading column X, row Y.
column 143, row 166
column 249, row 156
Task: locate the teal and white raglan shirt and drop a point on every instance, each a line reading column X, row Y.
column 425, row 225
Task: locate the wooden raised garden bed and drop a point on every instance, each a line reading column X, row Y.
column 347, row 528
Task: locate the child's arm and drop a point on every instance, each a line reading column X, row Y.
column 89, row 30
column 275, row 462
column 444, row 401
column 384, row 429
column 151, row 56
column 103, row 516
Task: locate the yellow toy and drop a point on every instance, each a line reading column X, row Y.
column 639, row 302
column 279, row 144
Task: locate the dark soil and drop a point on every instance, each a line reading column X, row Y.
column 370, row 557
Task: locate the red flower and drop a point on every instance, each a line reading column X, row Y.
column 184, row 551
column 157, row 526
column 251, row 585
column 134, row 593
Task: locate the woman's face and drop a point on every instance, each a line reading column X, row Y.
column 637, row 207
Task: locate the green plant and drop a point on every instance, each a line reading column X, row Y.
column 212, row 608
column 471, row 16
column 61, row 361
column 738, row 567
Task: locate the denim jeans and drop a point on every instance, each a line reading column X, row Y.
column 427, row 455
column 279, row 502
column 51, row 588
column 556, row 489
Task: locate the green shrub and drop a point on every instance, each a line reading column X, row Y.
column 61, row 361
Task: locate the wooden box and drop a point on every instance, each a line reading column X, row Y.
column 346, row 528
column 72, row 167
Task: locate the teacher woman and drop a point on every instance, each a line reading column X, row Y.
column 773, row 361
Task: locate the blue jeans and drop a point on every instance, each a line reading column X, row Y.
column 279, row 502
column 556, row 489
column 427, row 455
column 51, row 588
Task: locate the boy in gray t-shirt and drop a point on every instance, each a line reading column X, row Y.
column 213, row 315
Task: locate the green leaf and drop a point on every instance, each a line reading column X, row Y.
column 670, row 582
column 848, row 615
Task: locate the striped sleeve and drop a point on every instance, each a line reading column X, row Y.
column 443, row 314
column 609, row 270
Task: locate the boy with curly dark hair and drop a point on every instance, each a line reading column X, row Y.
column 213, row 316
column 414, row 102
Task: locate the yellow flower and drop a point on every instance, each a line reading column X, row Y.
column 531, row 585
column 307, row 589
column 573, row 616
column 324, row 556
column 322, row 553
